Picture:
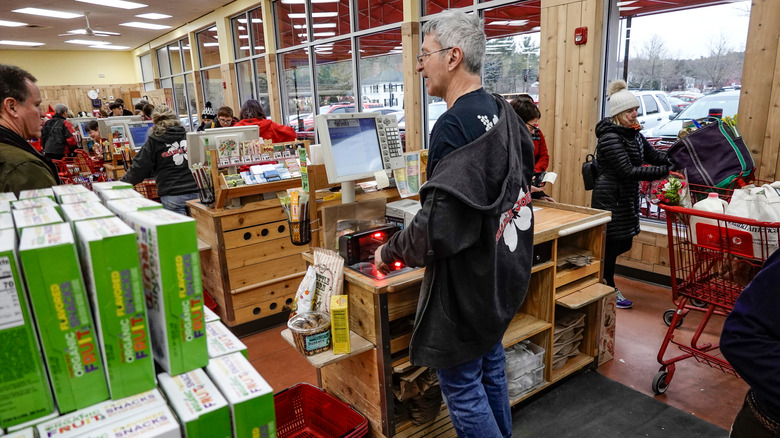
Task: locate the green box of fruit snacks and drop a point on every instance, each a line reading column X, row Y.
column 77, row 198
column 112, row 274
column 120, row 207
column 222, row 341
column 170, row 267
column 250, row 397
column 25, row 394
column 201, row 409
column 62, row 315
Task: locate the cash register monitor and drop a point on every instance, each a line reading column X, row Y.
column 357, row 145
column 105, row 125
column 138, row 132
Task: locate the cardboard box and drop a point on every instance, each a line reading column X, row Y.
column 122, row 206
column 209, row 315
column 339, row 324
column 79, row 197
column 110, row 185
column 154, row 423
column 62, row 316
column 24, row 433
column 7, row 196
column 222, row 341
column 34, row 217
column 25, row 394
column 110, row 195
column 68, row 189
column 113, row 278
column 100, row 415
column 37, row 193
column 85, row 211
column 33, row 203
column 201, row 409
column 250, row 397
column 606, row 331
column 170, row 266
column 6, row 221
column 5, row 206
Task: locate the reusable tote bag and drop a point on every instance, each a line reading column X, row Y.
column 761, row 204
column 713, row 155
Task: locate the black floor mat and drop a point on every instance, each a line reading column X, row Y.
column 590, row 405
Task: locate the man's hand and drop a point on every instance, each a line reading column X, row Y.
column 380, row 264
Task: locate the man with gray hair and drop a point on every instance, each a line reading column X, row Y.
column 57, row 134
column 474, row 234
column 21, row 166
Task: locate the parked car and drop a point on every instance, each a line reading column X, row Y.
column 688, row 96
column 677, row 104
column 728, row 101
column 654, row 108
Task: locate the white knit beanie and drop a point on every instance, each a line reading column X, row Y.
column 619, row 98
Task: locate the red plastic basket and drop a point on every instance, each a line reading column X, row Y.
column 306, row 411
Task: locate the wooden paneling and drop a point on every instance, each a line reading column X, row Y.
column 254, row 217
column 266, row 271
column 361, row 311
column 252, row 235
column 261, row 252
column 75, row 96
column 355, row 381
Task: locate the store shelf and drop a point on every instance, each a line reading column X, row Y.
column 515, row 400
column 440, row 426
column 573, row 364
column 585, row 296
column 358, row 343
column 522, row 327
column 203, row 246
column 542, row 266
column 566, row 276
column 575, row 286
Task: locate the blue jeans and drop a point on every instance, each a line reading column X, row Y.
column 178, row 203
column 477, row 396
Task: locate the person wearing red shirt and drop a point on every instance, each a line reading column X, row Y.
column 252, row 113
column 527, row 110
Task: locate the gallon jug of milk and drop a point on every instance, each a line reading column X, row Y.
column 704, row 231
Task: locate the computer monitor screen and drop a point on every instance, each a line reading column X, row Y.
column 105, row 125
column 138, row 132
column 355, row 147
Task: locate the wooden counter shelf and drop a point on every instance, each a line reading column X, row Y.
column 358, row 343
column 365, row 380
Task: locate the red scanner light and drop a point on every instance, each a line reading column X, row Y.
column 397, row 264
column 378, row 235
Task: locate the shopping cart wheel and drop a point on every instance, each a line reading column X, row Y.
column 659, row 383
column 697, row 303
column 669, row 316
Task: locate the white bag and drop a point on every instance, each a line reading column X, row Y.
column 761, row 204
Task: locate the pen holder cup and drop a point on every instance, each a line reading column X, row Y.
column 206, row 195
column 300, row 232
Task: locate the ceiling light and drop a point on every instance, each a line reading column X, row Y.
column 210, row 44
column 626, row 3
column 323, row 34
column 153, row 16
column 87, row 42
column 109, row 46
column 243, row 37
column 142, row 25
column 244, row 47
column 301, row 2
column 323, row 25
column 121, row 4
column 20, row 43
column 630, row 8
column 241, row 28
column 254, row 20
column 173, row 48
column 47, row 13
column 213, row 29
column 84, row 32
column 11, row 23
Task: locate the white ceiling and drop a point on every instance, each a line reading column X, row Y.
column 101, row 18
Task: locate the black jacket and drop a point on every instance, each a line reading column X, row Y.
column 164, row 157
column 474, row 236
column 621, row 152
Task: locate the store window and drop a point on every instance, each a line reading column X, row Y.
column 376, row 13
column 249, row 43
column 163, row 62
column 334, row 74
column 431, row 7
column 258, row 36
column 176, row 73
column 244, row 79
column 381, row 74
column 174, row 54
column 147, row 71
column 261, row 85
column 210, row 74
column 211, row 81
column 208, row 46
column 297, row 101
column 240, row 33
column 291, row 23
column 330, row 19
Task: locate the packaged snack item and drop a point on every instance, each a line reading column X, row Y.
column 6, row 221
column 209, row 315
column 79, row 197
column 109, row 195
column 154, row 423
column 92, row 418
column 33, row 217
column 110, row 185
column 68, row 189
column 304, row 297
column 329, row 267
column 222, row 341
column 120, row 207
column 170, row 267
column 84, row 211
column 311, row 332
column 113, row 278
column 37, row 193
column 201, row 409
column 25, row 394
column 339, row 323
column 62, row 315
column 44, row 201
column 251, row 399
column 28, row 432
column 7, row 196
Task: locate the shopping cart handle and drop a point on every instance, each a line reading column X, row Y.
column 584, row 226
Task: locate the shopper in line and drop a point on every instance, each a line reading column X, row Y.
column 164, row 157
column 252, row 113
column 474, row 233
column 146, row 111
column 622, row 152
column 750, row 341
column 21, row 117
column 225, row 117
column 116, row 109
column 125, row 111
column 207, row 117
column 529, row 113
column 57, row 135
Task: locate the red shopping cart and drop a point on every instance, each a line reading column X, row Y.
column 712, row 257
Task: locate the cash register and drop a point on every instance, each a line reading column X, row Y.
column 358, row 249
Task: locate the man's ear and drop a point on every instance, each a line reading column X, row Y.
column 454, row 58
column 8, row 105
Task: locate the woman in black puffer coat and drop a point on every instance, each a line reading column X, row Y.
column 621, row 153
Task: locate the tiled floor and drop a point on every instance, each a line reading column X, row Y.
column 696, row 388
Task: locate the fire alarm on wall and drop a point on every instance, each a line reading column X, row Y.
column 580, row 35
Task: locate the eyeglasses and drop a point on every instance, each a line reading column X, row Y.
column 224, row 121
column 421, row 57
column 531, row 127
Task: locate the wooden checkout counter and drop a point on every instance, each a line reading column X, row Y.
column 253, row 270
